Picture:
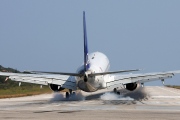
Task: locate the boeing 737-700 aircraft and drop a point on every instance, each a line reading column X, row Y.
column 93, row 75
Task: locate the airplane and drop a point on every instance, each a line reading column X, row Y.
column 91, row 76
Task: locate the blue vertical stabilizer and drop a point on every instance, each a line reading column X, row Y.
column 86, row 64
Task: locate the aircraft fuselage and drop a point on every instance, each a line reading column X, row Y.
column 98, row 63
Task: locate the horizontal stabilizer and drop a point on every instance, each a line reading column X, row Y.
column 113, row 72
column 60, row 73
column 80, row 74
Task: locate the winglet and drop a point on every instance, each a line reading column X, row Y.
column 86, row 65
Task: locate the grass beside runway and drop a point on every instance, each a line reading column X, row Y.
column 9, row 89
column 173, row 86
column 13, row 90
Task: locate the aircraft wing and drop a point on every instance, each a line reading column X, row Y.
column 64, row 81
column 139, row 78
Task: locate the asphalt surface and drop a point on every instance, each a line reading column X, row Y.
column 157, row 103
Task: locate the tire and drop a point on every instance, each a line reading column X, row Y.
column 67, row 95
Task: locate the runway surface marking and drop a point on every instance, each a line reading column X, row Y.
column 165, row 88
column 156, row 96
column 159, row 103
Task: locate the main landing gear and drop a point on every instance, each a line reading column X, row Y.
column 69, row 94
column 115, row 91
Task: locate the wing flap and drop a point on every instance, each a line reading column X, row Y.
column 29, row 80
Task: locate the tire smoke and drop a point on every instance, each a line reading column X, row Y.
column 138, row 94
column 113, row 96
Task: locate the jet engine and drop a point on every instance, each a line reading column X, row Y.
column 131, row 86
column 55, row 88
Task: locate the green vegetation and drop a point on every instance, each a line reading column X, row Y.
column 173, row 86
column 11, row 88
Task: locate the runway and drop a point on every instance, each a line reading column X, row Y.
column 157, row 103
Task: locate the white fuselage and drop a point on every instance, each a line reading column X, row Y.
column 98, row 63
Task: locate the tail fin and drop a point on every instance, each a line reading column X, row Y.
column 86, row 65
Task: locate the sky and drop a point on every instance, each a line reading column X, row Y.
column 48, row 34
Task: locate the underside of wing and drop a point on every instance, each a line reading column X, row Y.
column 62, row 81
column 139, row 78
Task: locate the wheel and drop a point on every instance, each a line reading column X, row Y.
column 70, row 91
column 115, row 90
column 67, row 95
column 73, row 93
column 118, row 93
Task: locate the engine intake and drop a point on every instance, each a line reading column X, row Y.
column 55, row 88
column 131, row 86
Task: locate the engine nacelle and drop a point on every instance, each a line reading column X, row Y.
column 55, row 88
column 131, row 86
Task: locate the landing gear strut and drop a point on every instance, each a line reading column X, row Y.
column 70, row 93
column 116, row 92
column 67, row 95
